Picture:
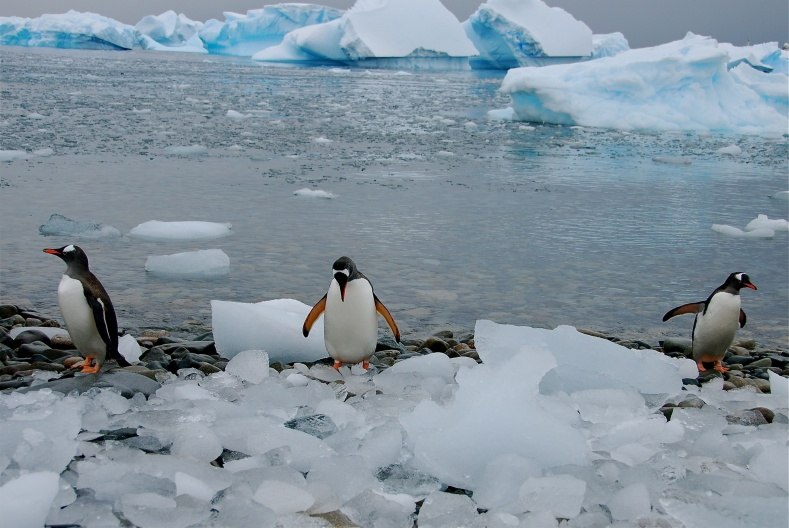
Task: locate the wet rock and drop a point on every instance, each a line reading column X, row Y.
column 692, row 401
column 28, row 350
column 739, row 351
column 444, row 334
column 195, row 347
column 737, row 381
column 748, row 417
column 678, row 345
column 31, row 336
column 768, row 415
column 593, row 333
column 387, row 342
column 62, row 341
column 435, row 344
column 8, row 310
column 128, row 383
column 208, row 368
column 51, row 367
column 13, row 369
column 749, row 344
column 13, row 321
column 139, row 369
column 13, row 384
column 155, row 354
column 760, row 363
column 762, row 384
column 32, row 321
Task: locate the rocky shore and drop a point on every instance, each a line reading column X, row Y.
column 32, row 359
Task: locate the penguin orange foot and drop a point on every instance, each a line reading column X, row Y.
column 350, row 308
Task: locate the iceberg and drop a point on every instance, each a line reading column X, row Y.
column 72, row 30
column 245, row 35
column 512, row 33
column 170, row 32
column 682, row 85
column 370, row 34
column 202, row 264
column 608, row 45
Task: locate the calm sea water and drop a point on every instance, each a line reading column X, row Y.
column 453, row 216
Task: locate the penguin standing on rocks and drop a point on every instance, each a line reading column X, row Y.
column 87, row 311
column 350, row 328
column 717, row 320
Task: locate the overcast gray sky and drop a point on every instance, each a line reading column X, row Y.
column 644, row 22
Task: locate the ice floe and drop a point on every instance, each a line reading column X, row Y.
column 156, row 230
column 200, row 264
column 59, row 225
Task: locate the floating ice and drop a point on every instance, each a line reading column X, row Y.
column 183, row 231
column 13, row 155
column 59, row 225
column 73, row 29
column 273, row 326
column 681, row 85
column 247, row 34
column 511, row 33
column 731, row 150
column 314, row 193
column 249, row 365
column 781, row 195
column 732, row 231
column 186, row 150
column 763, row 222
column 369, row 34
column 27, row 498
column 235, row 114
column 201, row 264
column 129, row 348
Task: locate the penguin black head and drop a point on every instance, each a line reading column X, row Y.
column 739, row 280
column 72, row 255
column 343, row 270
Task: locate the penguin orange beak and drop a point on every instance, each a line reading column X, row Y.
column 342, row 281
column 52, row 251
column 749, row 285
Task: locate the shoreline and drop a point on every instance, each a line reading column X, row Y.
column 32, row 358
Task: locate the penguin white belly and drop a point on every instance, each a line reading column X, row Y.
column 715, row 329
column 79, row 319
column 350, row 327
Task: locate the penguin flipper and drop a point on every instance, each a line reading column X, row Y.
column 316, row 312
column 381, row 309
column 742, row 318
column 690, row 308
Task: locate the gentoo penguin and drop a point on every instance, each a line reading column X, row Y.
column 87, row 310
column 716, row 321
column 350, row 326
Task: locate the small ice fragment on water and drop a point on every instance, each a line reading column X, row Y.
column 731, row 150
column 502, row 114
column 154, row 230
column 781, row 195
column 191, row 150
column 59, row 225
column 672, row 160
column 233, row 114
column 739, row 233
column 314, row 193
column 43, row 152
column 763, row 222
column 249, row 365
column 13, row 155
column 27, row 499
column 202, row 264
column 322, row 140
column 283, row 497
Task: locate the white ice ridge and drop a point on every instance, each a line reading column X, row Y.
column 156, row 230
column 170, row 31
column 682, row 85
column 68, row 30
column 201, row 264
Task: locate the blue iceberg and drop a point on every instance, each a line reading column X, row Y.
column 683, row 85
column 170, row 32
column 72, row 30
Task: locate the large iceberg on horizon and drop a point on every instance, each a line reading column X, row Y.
column 371, row 34
column 170, row 32
column 244, row 35
column 71, row 30
column 682, row 85
column 511, row 33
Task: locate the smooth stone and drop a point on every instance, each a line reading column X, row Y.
column 750, row 344
column 155, row 354
column 728, row 385
column 737, row 381
column 435, row 344
column 61, row 341
column 769, row 415
column 681, row 345
column 71, row 361
column 761, row 384
column 739, row 360
column 138, row 369
column 760, row 363
column 14, row 384
column 28, row 350
column 593, row 333
column 7, row 310
column 32, row 321
column 387, row 342
column 31, row 336
column 128, row 383
column 52, row 367
column 739, row 351
column 692, row 401
column 12, row 321
column 196, row 347
column 13, row 369
column 444, row 334
column 411, row 342
column 460, row 347
column 207, row 368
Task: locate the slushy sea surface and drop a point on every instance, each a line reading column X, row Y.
column 453, row 216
